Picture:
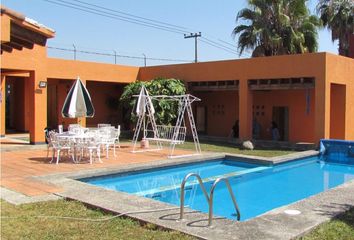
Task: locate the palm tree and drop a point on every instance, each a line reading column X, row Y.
column 338, row 15
column 276, row 27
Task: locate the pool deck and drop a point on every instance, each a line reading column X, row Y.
column 27, row 176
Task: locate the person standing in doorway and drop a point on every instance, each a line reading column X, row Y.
column 234, row 130
column 275, row 132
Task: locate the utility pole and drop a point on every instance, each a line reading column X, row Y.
column 115, row 56
column 195, row 36
column 74, row 51
column 144, row 59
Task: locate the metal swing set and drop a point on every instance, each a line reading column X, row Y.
column 173, row 135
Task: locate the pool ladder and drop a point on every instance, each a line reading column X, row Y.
column 208, row 198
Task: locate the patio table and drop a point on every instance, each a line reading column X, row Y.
column 74, row 139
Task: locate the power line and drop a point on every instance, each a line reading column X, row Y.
column 215, row 43
column 131, row 15
column 117, row 15
column 114, row 16
column 118, row 55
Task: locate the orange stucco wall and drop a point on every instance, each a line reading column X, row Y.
column 340, row 70
column 306, row 65
column 222, row 111
column 325, row 68
column 301, row 119
column 5, row 28
column 91, row 71
column 337, row 114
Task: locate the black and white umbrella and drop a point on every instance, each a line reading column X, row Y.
column 78, row 102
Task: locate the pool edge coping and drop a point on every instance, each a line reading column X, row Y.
column 251, row 229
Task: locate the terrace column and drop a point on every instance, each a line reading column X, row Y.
column 37, row 107
column 322, row 108
column 3, row 106
column 245, row 110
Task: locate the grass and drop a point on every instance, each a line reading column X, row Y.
column 340, row 228
column 231, row 148
column 225, row 148
column 23, row 224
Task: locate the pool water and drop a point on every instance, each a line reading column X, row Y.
column 162, row 179
column 257, row 189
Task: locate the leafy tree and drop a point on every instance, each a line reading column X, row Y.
column 338, row 15
column 276, row 27
column 165, row 110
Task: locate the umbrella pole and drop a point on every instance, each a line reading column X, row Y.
column 144, row 129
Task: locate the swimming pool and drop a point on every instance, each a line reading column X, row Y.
column 257, row 188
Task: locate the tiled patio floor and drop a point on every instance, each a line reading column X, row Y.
column 19, row 162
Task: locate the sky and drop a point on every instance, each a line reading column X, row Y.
column 94, row 33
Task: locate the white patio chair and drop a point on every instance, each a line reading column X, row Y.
column 91, row 145
column 101, row 125
column 49, row 137
column 117, row 136
column 108, row 139
column 61, row 146
column 74, row 128
column 94, row 147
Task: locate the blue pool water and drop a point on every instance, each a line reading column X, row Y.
column 258, row 189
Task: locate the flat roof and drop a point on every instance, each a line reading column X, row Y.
column 27, row 22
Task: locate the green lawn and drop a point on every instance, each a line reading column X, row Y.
column 340, row 228
column 224, row 148
column 231, row 148
column 24, row 226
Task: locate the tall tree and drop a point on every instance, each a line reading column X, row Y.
column 276, row 27
column 338, row 15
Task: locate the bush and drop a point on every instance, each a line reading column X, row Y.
column 165, row 111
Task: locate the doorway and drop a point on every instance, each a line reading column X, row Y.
column 16, row 118
column 52, row 103
column 201, row 119
column 281, row 118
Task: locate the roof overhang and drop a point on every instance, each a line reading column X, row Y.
column 18, row 32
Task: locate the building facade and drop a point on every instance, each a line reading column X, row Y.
column 309, row 96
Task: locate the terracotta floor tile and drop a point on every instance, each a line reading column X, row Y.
column 18, row 166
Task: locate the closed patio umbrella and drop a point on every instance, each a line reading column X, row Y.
column 143, row 100
column 78, row 102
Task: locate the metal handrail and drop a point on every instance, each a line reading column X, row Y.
column 212, row 197
column 183, row 187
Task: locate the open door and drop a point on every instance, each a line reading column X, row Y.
column 201, row 119
column 281, row 118
column 52, row 114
